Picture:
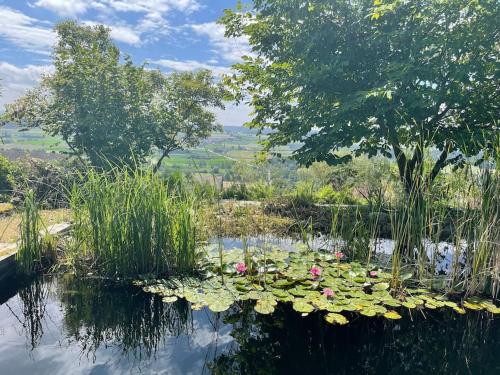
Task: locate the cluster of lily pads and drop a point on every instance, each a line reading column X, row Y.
column 310, row 281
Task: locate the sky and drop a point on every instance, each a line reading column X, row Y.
column 171, row 35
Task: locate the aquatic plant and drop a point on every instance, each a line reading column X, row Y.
column 132, row 222
column 36, row 247
column 310, row 281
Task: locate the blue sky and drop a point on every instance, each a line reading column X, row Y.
column 169, row 34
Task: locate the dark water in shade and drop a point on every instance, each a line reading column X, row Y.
column 63, row 325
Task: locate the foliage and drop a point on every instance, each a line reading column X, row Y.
column 286, row 277
column 237, row 192
column 131, row 223
column 115, row 113
column 384, row 77
column 49, row 181
column 6, row 180
column 328, row 195
column 36, row 250
column 179, row 114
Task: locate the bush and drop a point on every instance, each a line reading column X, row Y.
column 327, row 195
column 6, row 180
column 260, row 191
column 303, row 195
column 237, row 191
column 49, row 181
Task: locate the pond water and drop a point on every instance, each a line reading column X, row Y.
column 64, row 325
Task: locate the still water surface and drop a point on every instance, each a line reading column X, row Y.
column 63, row 325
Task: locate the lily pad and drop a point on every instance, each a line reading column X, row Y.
column 264, row 306
column 472, row 306
column 302, row 307
column 218, row 306
column 392, row 315
column 380, row 286
column 334, row 318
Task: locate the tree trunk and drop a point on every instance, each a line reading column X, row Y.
column 158, row 163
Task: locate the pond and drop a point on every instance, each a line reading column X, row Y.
column 62, row 325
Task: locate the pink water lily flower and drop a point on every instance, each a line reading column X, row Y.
column 327, row 292
column 339, row 255
column 373, row 274
column 241, row 268
column 315, row 271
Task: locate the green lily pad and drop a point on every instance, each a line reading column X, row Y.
column 264, row 306
column 472, row 306
column 408, row 305
column 368, row 312
column 302, row 307
column 334, row 318
column 380, row 286
column 459, row 310
column 392, row 315
column 218, row 306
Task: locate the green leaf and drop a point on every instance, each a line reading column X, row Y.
column 218, row 306
column 334, row 318
column 264, row 306
column 392, row 315
column 302, row 307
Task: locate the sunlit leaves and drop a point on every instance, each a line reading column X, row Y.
column 334, row 318
column 291, row 282
column 392, row 315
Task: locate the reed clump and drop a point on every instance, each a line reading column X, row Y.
column 36, row 247
column 131, row 222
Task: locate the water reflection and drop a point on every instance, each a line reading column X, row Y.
column 33, row 298
column 286, row 343
column 101, row 313
column 75, row 326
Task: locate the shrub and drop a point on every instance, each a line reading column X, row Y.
column 237, row 191
column 261, row 190
column 49, row 181
column 6, row 180
column 328, row 195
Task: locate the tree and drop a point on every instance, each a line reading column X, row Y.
column 388, row 77
column 181, row 119
column 112, row 112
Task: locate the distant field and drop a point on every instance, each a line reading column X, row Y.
column 217, row 154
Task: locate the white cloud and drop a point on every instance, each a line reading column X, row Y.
column 124, row 34
column 65, row 8
column 230, row 49
column 25, row 32
column 16, row 80
column 153, row 6
column 188, row 65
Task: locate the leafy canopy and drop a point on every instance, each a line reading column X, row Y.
column 111, row 111
column 390, row 77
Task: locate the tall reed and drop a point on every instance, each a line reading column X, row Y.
column 131, row 222
column 29, row 254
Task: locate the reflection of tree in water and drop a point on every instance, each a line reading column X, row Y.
column 99, row 313
column 33, row 301
column 286, row 343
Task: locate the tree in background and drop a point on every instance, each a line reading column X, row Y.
column 388, row 77
column 179, row 111
column 111, row 112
